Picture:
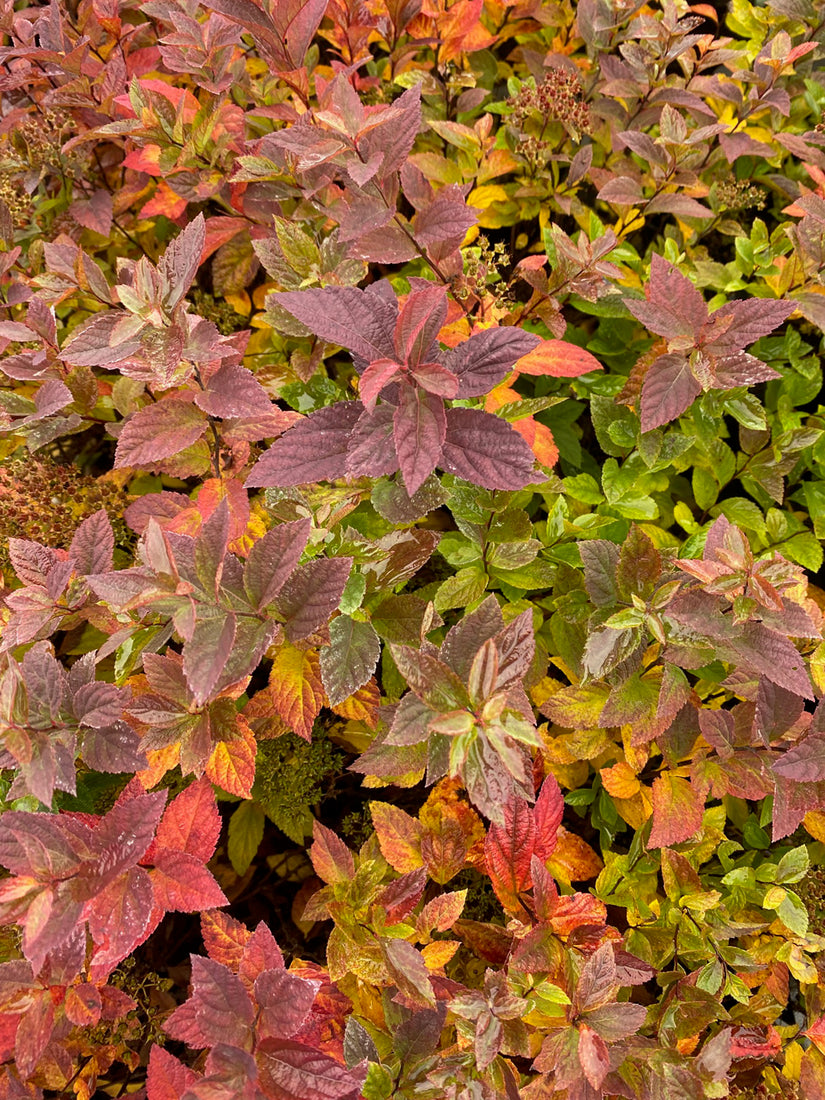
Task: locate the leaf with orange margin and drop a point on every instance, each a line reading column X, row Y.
column 362, row 705
column 399, row 836
column 573, row 859
column 557, row 358
column 232, row 763
column 161, row 761
column 536, row 435
column 297, row 690
column 453, row 833
column 677, row 811
column 145, row 160
column 224, row 938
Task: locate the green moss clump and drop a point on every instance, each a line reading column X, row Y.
column 292, row 776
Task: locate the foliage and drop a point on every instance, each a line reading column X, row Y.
column 412, row 494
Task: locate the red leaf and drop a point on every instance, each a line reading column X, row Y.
column 191, row 822
column 331, row 858
column 669, row 388
column 285, row 1001
column 183, row 884
column 272, row 559
column 547, row 814
column 292, row 1071
column 222, row 1008
column 507, row 852
column 167, row 1077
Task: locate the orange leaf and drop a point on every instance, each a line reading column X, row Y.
column 160, row 762
column 540, row 440
column 297, row 690
column 399, row 836
column 453, row 833
column 559, row 359
column 575, row 910
column 224, row 937
column 164, row 201
column 573, row 860
column 232, row 764
column 145, row 160
column 362, row 705
column 620, row 780
column 677, row 811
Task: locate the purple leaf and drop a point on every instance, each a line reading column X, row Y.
column 344, row 315
column 419, row 429
column 375, row 378
column 313, row 450
column 206, row 653
column 747, row 321
column 272, row 559
column 93, row 544
column 805, row 762
column 233, row 391
column 158, row 431
column 418, row 324
column 674, row 307
column 445, row 221
column 311, row 595
column 371, row 450
column 668, row 390
column 487, row 357
column 485, row 450
column 179, row 264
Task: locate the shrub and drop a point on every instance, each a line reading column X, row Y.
column 412, row 488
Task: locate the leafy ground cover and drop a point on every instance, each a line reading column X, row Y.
column 412, row 493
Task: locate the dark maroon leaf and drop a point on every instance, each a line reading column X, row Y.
column 419, row 429
column 313, row 450
column 486, row 450
column 487, row 357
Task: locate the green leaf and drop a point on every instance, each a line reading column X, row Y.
column 246, row 830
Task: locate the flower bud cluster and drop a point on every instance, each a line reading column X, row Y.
column 560, row 96
column 45, row 502
column 739, row 195
column 482, row 270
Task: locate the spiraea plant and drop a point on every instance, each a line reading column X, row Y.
column 412, row 494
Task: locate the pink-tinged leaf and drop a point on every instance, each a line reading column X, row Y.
column 167, row 1078
column 285, row 1001
column 83, row 1004
column 593, row 1056
column 179, row 263
column 419, row 323
column 805, row 762
column 515, row 645
column 296, row 22
column 315, row 449
column 507, row 852
column 623, row 191
column 547, row 814
column 311, row 594
column 444, row 223
column 101, row 341
column 598, row 981
column 395, row 136
column 347, row 316
column 223, row 1008
column 183, row 884
column 617, row 1021
column 442, row 911
column 261, row 952
column 158, row 431
column 233, row 391
column 775, row 656
column 419, row 429
column 683, row 205
column 399, row 897
column 211, row 546
column 122, row 838
column 292, row 1071
column 331, row 858
column 95, row 212
column 487, row 358
column 677, row 811
column 674, row 307
column 371, row 450
column 191, row 822
column 350, row 658
column 93, row 544
column 409, row 972
column 436, row 379
column 378, row 374
column 745, row 322
column 259, row 24
column 559, row 359
column 485, row 450
column 668, row 390
column 206, row 653
column 33, row 1034
column 119, row 919
column 273, row 559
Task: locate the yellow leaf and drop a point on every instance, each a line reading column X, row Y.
column 160, row 762
column 573, row 860
column 232, row 763
column 620, row 781
column 438, row 954
column 814, row 822
column 399, row 836
column 297, row 690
